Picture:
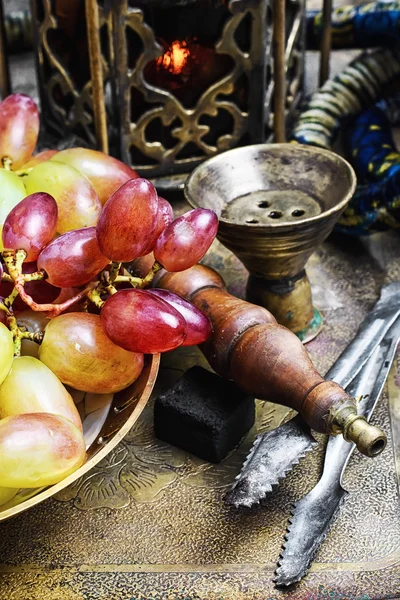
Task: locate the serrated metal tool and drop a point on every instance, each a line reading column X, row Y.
column 271, row 456
column 313, row 515
column 266, row 463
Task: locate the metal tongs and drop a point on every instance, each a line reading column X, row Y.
column 362, row 370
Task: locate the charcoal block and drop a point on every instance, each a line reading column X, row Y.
column 204, row 415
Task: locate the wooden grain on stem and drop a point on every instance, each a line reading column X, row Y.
column 96, row 73
column 5, row 85
column 326, row 41
column 279, row 39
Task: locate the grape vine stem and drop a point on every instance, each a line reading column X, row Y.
column 138, row 282
column 91, row 293
column 7, row 163
column 53, row 309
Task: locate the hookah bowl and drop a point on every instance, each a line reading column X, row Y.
column 276, row 203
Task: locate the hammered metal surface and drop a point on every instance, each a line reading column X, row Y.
column 149, row 522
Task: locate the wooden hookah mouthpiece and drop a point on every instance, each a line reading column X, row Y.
column 269, row 361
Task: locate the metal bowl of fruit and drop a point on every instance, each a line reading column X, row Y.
column 80, row 337
column 103, row 429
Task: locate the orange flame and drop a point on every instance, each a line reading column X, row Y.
column 176, row 57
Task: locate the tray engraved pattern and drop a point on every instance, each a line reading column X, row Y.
column 149, row 522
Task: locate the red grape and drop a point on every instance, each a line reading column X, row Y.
column 198, row 325
column 73, row 259
column 186, row 240
column 128, row 221
column 165, row 216
column 41, row 291
column 142, row 322
column 31, row 225
column 106, row 174
column 19, row 128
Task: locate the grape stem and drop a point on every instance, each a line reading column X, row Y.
column 5, row 309
column 22, row 334
column 113, row 271
column 38, row 276
column 138, row 282
column 94, row 295
column 92, row 292
column 7, row 277
column 7, row 163
column 19, row 334
column 14, row 261
column 23, row 172
column 53, row 309
column 10, row 299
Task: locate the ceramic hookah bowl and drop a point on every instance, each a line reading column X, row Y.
column 276, row 203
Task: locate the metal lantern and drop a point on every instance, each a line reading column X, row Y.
column 165, row 84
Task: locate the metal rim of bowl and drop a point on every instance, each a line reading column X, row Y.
column 289, row 146
column 109, row 444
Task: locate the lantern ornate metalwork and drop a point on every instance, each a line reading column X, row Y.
column 175, row 81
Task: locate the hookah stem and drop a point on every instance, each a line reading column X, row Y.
column 269, row 361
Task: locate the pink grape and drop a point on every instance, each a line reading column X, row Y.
column 165, row 216
column 128, row 220
column 73, row 259
column 31, row 225
column 198, row 325
column 186, row 240
column 142, row 322
column 41, row 291
column 38, row 158
column 38, row 449
column 19, row 128
column 106, row 174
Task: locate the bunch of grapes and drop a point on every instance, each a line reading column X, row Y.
column 72, row 319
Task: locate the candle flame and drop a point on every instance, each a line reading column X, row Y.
column 175, row 58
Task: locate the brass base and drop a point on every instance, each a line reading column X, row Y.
column 289, row 300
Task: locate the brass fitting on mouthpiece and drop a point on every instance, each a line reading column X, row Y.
column 369, row 439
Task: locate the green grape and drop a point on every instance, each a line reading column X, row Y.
column 7, row 351
column 30, row 387
column 78, row 204
column 78, row 351
column 12, row 191
column 38, row 449
column 7, row 494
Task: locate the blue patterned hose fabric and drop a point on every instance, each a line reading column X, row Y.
column 359, row 86
column 363, row 26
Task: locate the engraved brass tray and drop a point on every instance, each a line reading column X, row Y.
column 123, row 413
column 148, row 522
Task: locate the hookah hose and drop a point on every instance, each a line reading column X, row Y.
column 357, row 87
column 363, row 26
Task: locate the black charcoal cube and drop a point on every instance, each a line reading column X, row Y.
column 204, row 415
